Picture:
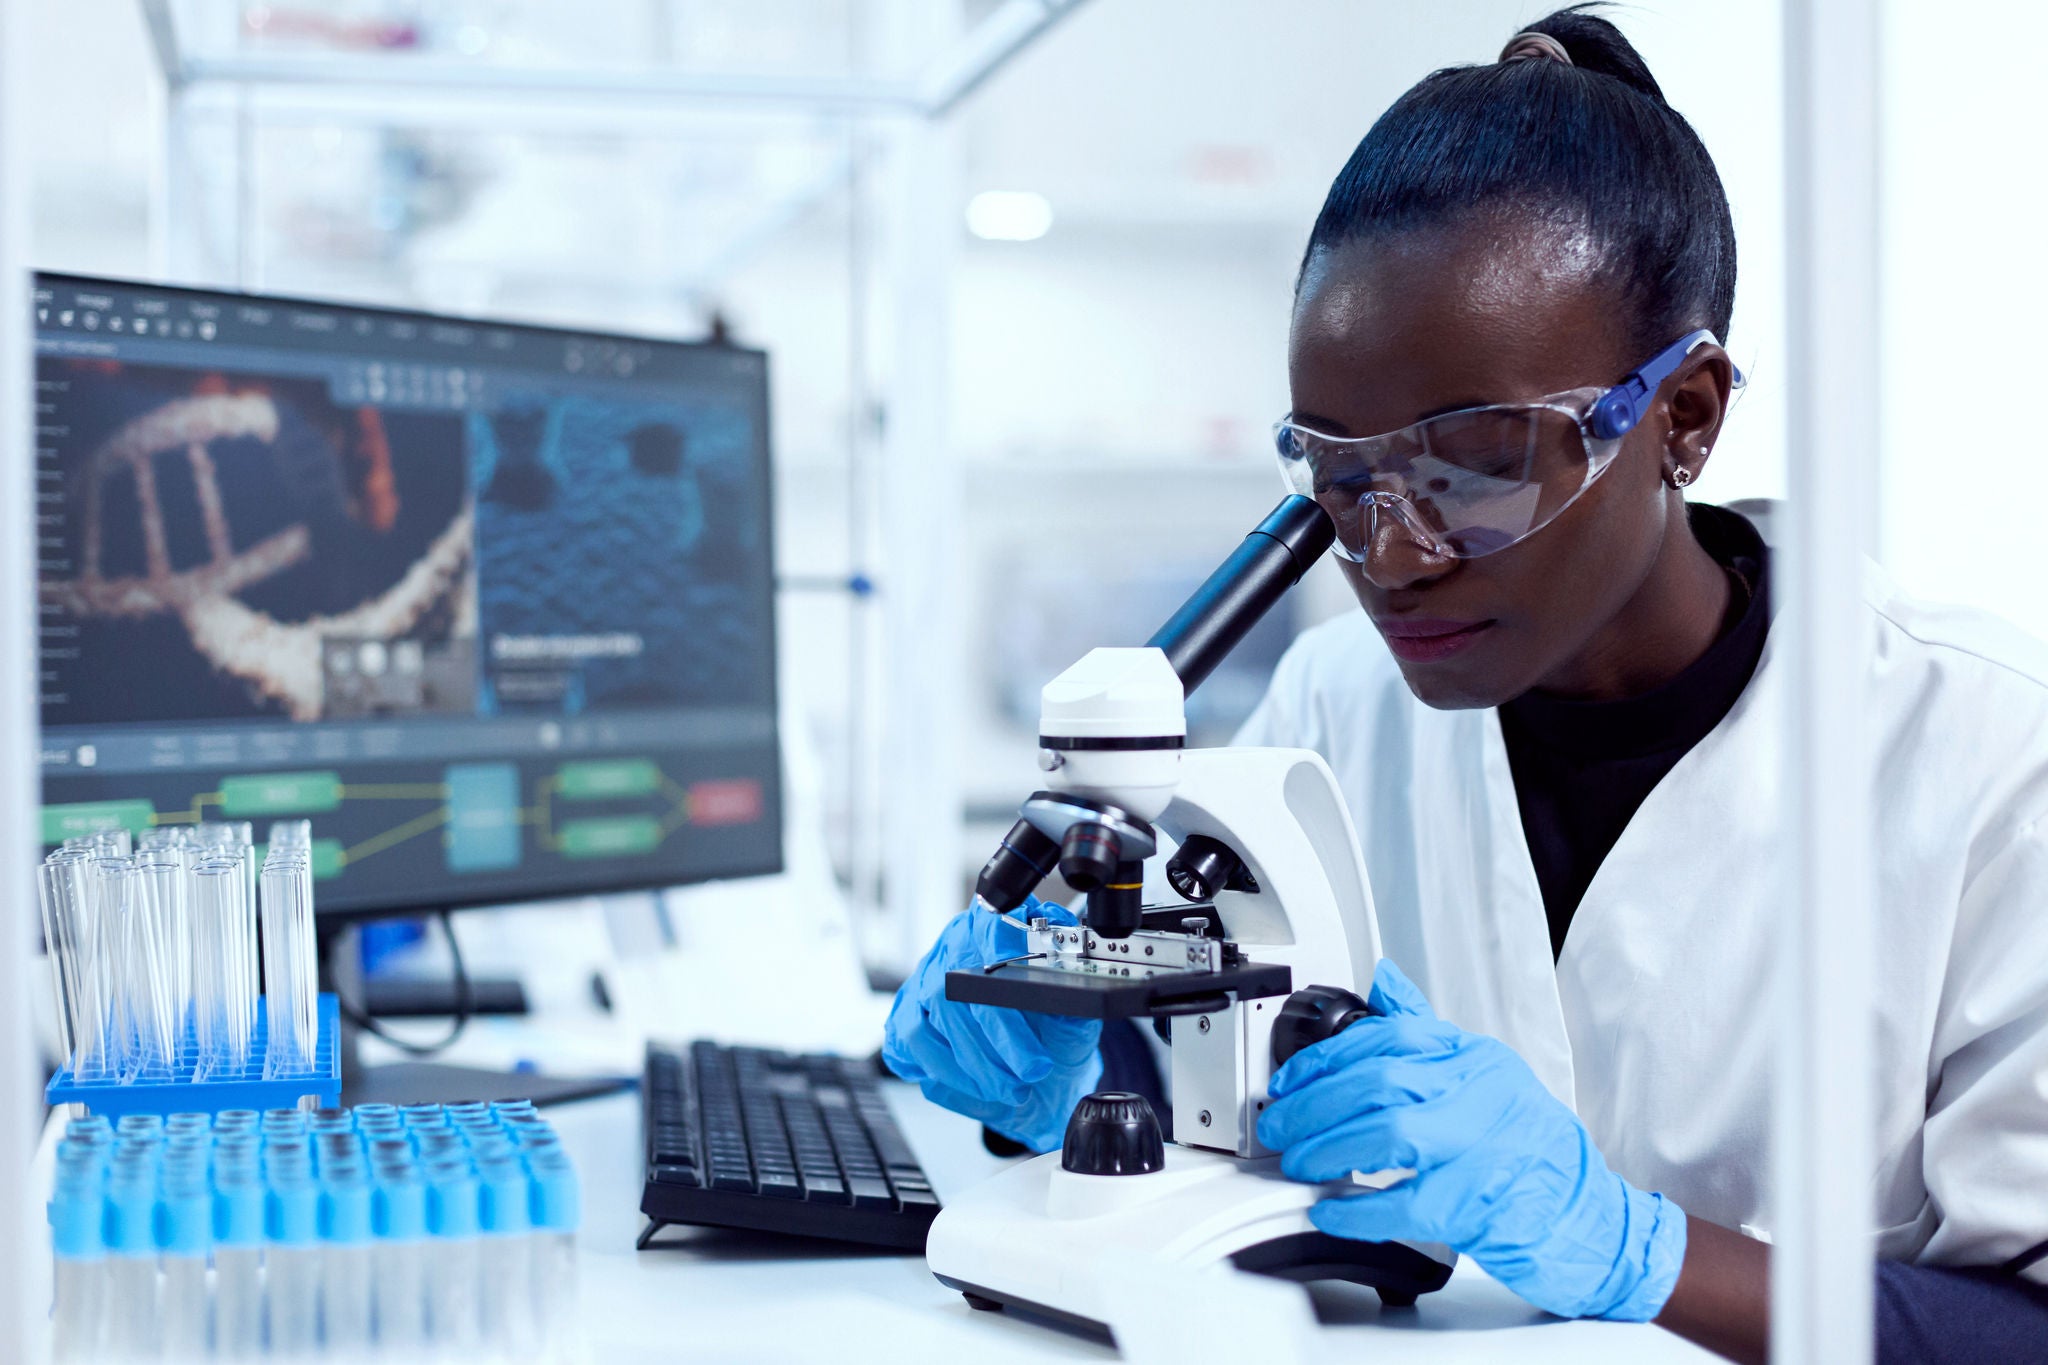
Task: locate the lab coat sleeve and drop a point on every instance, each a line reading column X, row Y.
column 1986, row 1135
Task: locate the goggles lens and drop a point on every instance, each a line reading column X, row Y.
column 1468, row 483
column 1464, row 484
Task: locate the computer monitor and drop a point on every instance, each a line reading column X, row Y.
column 491, row 605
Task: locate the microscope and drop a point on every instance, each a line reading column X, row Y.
column 1268, row 949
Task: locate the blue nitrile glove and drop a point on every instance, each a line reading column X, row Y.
column 1019, row 1073
column 1505, row 1174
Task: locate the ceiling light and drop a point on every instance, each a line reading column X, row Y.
column 1008, row 215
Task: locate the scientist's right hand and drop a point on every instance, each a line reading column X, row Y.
column 1019, row 1073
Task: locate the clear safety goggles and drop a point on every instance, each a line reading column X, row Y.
column 1470, row 482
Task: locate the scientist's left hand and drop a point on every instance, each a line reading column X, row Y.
column 1505, row 1174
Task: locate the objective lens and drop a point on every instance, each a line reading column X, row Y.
column 1088, row 855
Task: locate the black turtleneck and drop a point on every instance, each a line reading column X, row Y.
column 1582, row 768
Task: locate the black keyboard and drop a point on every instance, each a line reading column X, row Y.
column 745, row 1137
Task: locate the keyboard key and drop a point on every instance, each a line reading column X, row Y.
column 889, row 1143
column 674, row 1175
column 824, row 1189
column 870, row 1194
column 781, row 1185
column 915, row 1199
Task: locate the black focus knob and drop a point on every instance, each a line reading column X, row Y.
column 1089, row 855
column 1202, row 867
column 1113, row 1132
column 1311, row 1015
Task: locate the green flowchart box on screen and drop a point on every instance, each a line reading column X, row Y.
column 243, row 798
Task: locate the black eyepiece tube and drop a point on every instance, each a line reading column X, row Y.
column 1223, row 610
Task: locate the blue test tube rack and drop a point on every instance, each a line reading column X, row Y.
column 174, row 1089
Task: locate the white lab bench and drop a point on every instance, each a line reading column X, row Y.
column 712, row 1295
column 725, row 1296
column 743, row 1297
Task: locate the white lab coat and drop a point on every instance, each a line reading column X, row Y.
column 1655, row 1023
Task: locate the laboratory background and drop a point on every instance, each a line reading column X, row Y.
column 612, row 480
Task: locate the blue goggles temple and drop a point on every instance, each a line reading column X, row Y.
column 1616, row 412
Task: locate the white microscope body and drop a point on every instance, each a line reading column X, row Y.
column 1283, row 886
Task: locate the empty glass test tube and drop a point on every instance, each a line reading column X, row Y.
column 76, row 969
column 289, row 972
column 224, row 992
column 161, row 887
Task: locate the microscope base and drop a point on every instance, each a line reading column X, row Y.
column 1051, row 1243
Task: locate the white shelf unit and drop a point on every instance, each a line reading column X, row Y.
column 899, row 786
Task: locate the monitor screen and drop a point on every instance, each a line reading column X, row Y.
column 492, row 606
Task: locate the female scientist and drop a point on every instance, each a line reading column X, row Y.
column 1555, row 727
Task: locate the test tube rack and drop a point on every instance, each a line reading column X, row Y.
column 178, row 1088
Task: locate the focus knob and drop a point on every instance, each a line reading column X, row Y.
column 1112, row 1132
column 1203, row 867
column 1311, row 1015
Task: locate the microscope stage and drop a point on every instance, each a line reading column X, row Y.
column 1108, row 994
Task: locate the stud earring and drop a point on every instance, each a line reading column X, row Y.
column 1680, row 476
